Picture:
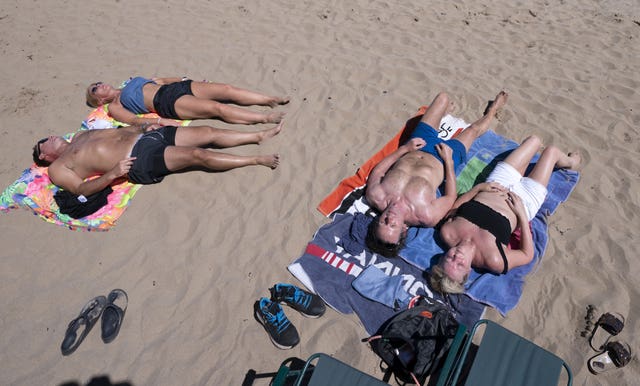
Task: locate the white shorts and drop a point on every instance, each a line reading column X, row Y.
column 531, row 192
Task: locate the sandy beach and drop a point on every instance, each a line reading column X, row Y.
column 196, row 251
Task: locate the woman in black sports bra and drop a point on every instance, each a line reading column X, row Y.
column 479, row 227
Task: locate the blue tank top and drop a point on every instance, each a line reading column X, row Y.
column 131, row 95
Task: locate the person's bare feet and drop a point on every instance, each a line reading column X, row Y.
column 572, row 161
column 271, row 161
column 275, row 117
column 275, row 101
column 499, row 101
column 270, row 133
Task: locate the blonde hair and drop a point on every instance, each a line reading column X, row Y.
column 444, row 284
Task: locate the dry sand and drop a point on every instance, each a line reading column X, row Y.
column 196, row 251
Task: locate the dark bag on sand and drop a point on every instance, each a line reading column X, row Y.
column 81, row 206
column 413, row 342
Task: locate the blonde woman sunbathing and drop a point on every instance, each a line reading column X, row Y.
column 181, row 98
column 482, row 220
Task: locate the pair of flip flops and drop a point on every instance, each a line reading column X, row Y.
column 612, row 355
column 111, row 308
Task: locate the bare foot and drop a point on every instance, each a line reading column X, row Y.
column 271, row 161
column 572, row 161
column 275, row 101
column 274, row 117
column 270, row 133
column 499, row 102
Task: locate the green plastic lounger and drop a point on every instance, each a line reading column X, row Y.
column 503, row 359
column 327, row 371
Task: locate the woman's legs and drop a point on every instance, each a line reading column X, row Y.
column 551, row 158
column 227, row 93
column 522, row 155
column 192, row 107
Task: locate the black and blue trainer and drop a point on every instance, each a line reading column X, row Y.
column 308, row 304
column 282, row 333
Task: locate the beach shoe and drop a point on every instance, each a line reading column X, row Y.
column 308, row 304
column 615, row 356
column 113, row 314
column 88, row 317
column 608, row 325
column 282, row 333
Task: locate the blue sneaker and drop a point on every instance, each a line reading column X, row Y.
column 282, row 333
column 308, row 304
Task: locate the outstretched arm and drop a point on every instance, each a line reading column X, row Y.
column 68, row 180
column 121, row 114
column 523, row 255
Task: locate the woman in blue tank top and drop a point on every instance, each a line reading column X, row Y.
column 181, row 98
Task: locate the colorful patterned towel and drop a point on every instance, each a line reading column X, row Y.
column 34, row 190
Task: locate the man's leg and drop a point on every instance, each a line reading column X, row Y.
column 440, row 106
column 227, row 93
column 480, row 126
column 196, row 136
column 181, row 157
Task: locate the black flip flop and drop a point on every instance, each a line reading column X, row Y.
column 615, row 356
column 608, row 325
column 113, row 314
column 86, row 320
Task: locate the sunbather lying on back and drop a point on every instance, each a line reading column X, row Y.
column 480, row 225
column 176, row 98
column 403, row 185
column 143, row 157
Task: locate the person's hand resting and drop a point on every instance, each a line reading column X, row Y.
column 415, row 144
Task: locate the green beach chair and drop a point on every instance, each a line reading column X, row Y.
column 323, row 370
column 503, row 358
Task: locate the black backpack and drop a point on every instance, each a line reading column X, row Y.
column 413, row 342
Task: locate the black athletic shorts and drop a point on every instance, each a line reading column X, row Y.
column 149, row 166
column 165, row 100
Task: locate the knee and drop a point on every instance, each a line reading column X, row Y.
column 199, row 155
column 533, row 140
column 552, row 151
column 442, row 98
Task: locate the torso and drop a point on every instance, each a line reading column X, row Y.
column 95, row 152
column 137, row 96
column 413, row 180
column 487, row 255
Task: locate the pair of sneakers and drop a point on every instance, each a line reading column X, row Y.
column 270, row 314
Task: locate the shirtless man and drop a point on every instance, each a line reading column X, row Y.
column 403, row 185
column 143, row 155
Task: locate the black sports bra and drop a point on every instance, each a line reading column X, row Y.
column 489, row 220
